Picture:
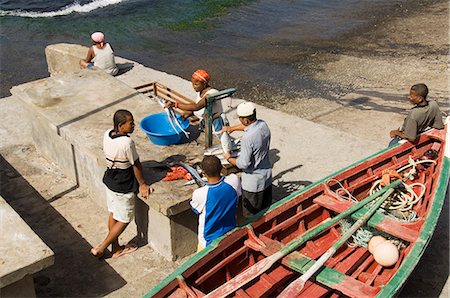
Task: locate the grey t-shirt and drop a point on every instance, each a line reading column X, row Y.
column 421, row 117
column 253, row 159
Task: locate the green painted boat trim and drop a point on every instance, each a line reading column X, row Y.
column 327, row 276
column 410, row 262
column 181, row 269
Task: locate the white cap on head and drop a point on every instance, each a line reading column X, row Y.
column 245, row 109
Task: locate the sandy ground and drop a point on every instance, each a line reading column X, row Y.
column 380, row 64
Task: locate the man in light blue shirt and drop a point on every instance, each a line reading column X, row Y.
column 253, row 160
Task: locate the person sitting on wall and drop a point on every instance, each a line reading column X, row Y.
column 200, row 82
column 424, row 114
column 100, row 55
column 216, row 202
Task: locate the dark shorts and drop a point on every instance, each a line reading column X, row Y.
column 253, row 202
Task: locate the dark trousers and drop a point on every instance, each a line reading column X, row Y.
column 253, row 202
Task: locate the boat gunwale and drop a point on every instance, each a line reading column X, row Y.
column 397, row 280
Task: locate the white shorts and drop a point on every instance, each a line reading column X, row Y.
column 121, row 205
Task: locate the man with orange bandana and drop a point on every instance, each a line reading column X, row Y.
column 200, row 82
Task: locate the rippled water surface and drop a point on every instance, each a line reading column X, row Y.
column 250, row 45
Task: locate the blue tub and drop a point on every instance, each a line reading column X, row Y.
column 160, row 132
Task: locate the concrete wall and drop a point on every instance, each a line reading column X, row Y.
column 71, row 112
column 22, row 253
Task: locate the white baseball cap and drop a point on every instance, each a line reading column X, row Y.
column 245, row 109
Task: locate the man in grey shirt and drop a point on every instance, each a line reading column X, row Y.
column 424, row 114
column 253, row 160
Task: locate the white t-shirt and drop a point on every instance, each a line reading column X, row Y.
column 120, row 151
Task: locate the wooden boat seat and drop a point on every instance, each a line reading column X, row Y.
column 406, row 231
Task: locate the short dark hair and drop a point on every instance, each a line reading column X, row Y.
column 211, row 166
column 120, row 117
column 421, row 90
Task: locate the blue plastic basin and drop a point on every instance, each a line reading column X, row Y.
column 160, row 132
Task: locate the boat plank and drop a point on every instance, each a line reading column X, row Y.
column 327, row 277
column 405, row 231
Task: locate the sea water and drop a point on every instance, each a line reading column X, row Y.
column 248, row 45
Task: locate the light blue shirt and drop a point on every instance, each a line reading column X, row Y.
column 253, row 159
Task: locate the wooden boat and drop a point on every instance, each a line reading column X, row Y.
column 247, row 261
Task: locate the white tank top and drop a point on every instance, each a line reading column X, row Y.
column 104, row 59
column 217, row 106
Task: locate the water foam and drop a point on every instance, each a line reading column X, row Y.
column 71, row 8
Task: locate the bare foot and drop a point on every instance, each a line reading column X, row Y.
column 123, row 250
column 96, row 252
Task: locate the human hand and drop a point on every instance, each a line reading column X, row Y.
column 226, row 155
column 225, row 129
column 145, row 190
column 393, row 133
column 168, row 104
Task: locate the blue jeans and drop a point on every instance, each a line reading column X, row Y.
column 394, row 141
column 217, row 125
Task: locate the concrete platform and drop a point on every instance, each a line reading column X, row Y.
column 22, row 253
column 71, row 111
column 312, row 151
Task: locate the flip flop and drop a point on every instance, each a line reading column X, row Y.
column 128, row 249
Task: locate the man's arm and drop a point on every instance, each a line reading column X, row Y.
column 90, row 55
column 230, row 129
column 397, row 133
column 144, row 189
column 244, row 159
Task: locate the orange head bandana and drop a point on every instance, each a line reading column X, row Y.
column 201, row 75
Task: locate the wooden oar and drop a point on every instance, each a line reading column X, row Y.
column 262, row 266
column 297, row 286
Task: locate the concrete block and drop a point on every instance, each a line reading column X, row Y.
column 22, row 252
column 64, row 57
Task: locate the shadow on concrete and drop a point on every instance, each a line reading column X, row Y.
column 365, row 103
column 124, row 67
column 74, row 266
column 281, row 188
column 431, row 273
column 194, row 133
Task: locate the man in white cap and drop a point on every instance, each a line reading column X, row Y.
column 253, row 160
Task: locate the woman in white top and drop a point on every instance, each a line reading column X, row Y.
column 200, row 83
column 100, row 55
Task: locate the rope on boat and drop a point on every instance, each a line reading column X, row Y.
column 402, row 203
column 343, row 189
column 363, row 235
